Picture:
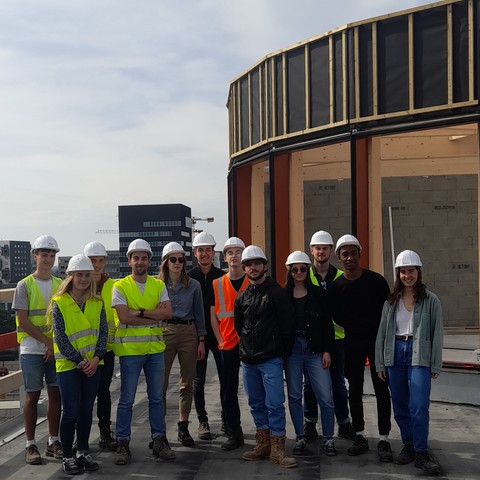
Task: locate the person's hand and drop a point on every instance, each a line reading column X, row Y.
column 201, row 351
column 90, row 366
column 434, row 376
column 382, row 376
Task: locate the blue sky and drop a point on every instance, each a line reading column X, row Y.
column 115, row 102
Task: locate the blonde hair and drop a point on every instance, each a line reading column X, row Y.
column 66, row 287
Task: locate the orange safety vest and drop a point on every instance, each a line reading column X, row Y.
column 225, row 296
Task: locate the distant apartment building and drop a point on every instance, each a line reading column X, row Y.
column 15, row 262
column 62, row 266
column 158, row 225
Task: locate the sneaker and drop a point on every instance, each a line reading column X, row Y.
column 310, row 429
column 204, row 431
column 329, row 447
column 427, row 463
column 184, row 436
column 123, row 455
column 345, row 430
column 70, row 466
column 161, row 448
column 107, row 440
column 360, row 445
column 32, row 455
column 85, row 462
column 300, row 444
column 54, row 450
column 407, row 455
column 384, row 451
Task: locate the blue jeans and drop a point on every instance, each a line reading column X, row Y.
column 130, row 367
column 263, row 383
column 78, row 394
column 320, row 382
column 340, row 393
column 410, row 388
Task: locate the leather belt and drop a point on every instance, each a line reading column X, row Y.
column 403, row 337
column 179, row 321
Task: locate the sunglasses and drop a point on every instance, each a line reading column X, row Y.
column 298, row 270
column 176, row 259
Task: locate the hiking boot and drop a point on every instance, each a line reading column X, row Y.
column 300, row 444
column 85, row 462
column 360, row 445
column 32, row 455
column 184, row 436
column 345, row 430
column 161, row 448
column 123, row 455
column 384, row 451
column 234, row 440
column 310, row 429
column 406, row 455
column 54, row 450
column 278, row 454
column 427, row 463
column 329, row 447
column 262, row 447
column 107, row 440
column 70, row 466
column 204, row 431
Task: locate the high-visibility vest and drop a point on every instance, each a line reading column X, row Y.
column 81, row 328
column 107, row 288
column 339, row 331
column 139, row 339
column 37, row 309
column 225, row 295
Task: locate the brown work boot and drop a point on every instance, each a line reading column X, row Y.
column 262, row 447
column 278, row 455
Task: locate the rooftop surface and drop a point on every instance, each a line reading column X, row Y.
column 454, row 440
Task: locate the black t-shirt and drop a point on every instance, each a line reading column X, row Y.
column 236, row 284
column 357, row 305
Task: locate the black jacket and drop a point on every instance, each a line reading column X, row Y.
column 319, row 331
column 264, row 320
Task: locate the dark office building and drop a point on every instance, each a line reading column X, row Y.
column 15, row 262
column 158, row 225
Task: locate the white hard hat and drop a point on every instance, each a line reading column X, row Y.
column 321, row 238
column 408, row 258
column 233, row 242
column 252, row 252
column 297, row 257
column 45, row 242
column 139, row 245
column 347, row 240
column 172, row 247
column 79, row 263
column 204, row 239
column 94, row 249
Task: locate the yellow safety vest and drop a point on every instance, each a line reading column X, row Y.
column 139, row 339
column 339, row 331
column 107, row 288
column 81, row 328
column 37, row 309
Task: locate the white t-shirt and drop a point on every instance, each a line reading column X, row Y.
column 404, row 320
column 30, row 345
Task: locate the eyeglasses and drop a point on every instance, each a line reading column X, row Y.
column 176, row 259
column 298, row 270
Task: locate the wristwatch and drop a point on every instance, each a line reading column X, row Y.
column 142, row 311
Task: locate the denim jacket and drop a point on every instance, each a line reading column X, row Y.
column 427, row 335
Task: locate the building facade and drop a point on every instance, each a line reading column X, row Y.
column 15, row 262
column 370, row 129
column 158, row 225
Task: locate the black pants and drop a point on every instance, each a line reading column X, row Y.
column 200, row 375
column 356, row 352
column 231, row 368
column 104, row 401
